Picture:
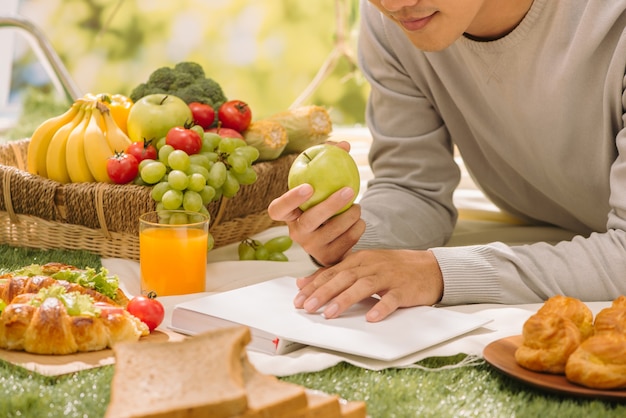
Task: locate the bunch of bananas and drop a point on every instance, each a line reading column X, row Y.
column 74, row 147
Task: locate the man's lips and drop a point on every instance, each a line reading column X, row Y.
column 414, row 24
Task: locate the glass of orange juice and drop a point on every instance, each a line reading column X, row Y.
column 173, row 246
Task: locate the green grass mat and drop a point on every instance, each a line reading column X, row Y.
column 469, row 391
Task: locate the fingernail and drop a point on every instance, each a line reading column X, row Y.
column 331, row 310
column 305, row 189
column 310, row 305
column 372, row 315
column 347, row 193
column 299, row 300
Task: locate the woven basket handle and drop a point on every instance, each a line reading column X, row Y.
column 6, row 181
column 6, row 194
column 99, row 202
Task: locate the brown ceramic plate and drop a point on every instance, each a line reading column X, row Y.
column 501, row 355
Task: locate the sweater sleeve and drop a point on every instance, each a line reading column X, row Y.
column 411, row 154
column 590, row 268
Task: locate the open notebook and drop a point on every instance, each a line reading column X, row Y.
column 278, row 328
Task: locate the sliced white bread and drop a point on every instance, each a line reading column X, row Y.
column 210, row 375
column 196, row 377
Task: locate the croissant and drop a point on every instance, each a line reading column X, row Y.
column 40, row 323
column 573, row 309
column 548, row 341
column 613, row 318
column 12, row 284
column 599, row 362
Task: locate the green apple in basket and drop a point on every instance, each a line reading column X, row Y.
column 327, row 168
column 152, row 116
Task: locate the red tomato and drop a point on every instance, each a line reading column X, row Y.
column 122, row 168
column 226, row 132
column 142, row 150
column 149, row 310
column 184, row 139
column 203, row 114
column 235, row 114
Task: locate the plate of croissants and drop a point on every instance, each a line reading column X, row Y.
column 564, row 349
column 58, row 309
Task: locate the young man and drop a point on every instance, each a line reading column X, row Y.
column 532, row 94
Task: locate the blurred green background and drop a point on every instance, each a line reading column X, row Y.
column 266, row 52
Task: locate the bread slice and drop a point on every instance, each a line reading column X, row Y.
column 322, row 405
column 353, row 409
column 270, row 397
column 210, row 375
column 197, row 377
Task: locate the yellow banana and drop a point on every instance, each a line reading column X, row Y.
column 77, row 167
column 40, row 139
column 56, row 165
column 97, row 150
column 117, row 139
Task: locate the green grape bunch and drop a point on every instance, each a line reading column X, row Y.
column 271, row 250
column 191, row 182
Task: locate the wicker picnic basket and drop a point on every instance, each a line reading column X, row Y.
column 103, row 218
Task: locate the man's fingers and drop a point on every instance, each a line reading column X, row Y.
column 383, row 308
column 285, row 208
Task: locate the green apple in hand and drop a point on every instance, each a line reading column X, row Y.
column 327, row 168
column 152, row 116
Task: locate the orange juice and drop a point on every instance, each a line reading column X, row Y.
column 173, row 259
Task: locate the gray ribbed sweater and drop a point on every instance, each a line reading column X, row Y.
column 538, row 117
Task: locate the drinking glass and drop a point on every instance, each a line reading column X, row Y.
column 173, row 246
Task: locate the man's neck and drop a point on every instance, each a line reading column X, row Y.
column 497, row 18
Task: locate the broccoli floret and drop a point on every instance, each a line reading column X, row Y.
column 163, row 77
column 138, row 92
column 192, row 68
column 192, row 93
column 186, row 80
column 182, row 81
column 213, row 91
column 145, row 89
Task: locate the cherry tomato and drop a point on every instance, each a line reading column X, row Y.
column 122, row 168
column 226, row 132
column 235, row 114
column 184, row 139
column 203, row 114
column 149, row 310
column 142, row 150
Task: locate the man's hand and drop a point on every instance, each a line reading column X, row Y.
column 324, row 236
column 402, row 278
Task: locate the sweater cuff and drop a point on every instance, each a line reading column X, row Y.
column 468, row 275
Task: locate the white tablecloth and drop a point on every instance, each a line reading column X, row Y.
column 225, row 271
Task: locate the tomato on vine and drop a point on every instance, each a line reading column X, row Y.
column 203, row 114
column 142, row 150
column 122, row 168
column 235, row 114
column 184, row 139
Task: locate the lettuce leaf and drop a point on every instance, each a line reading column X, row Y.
column 75, row 303
column 99, row 281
